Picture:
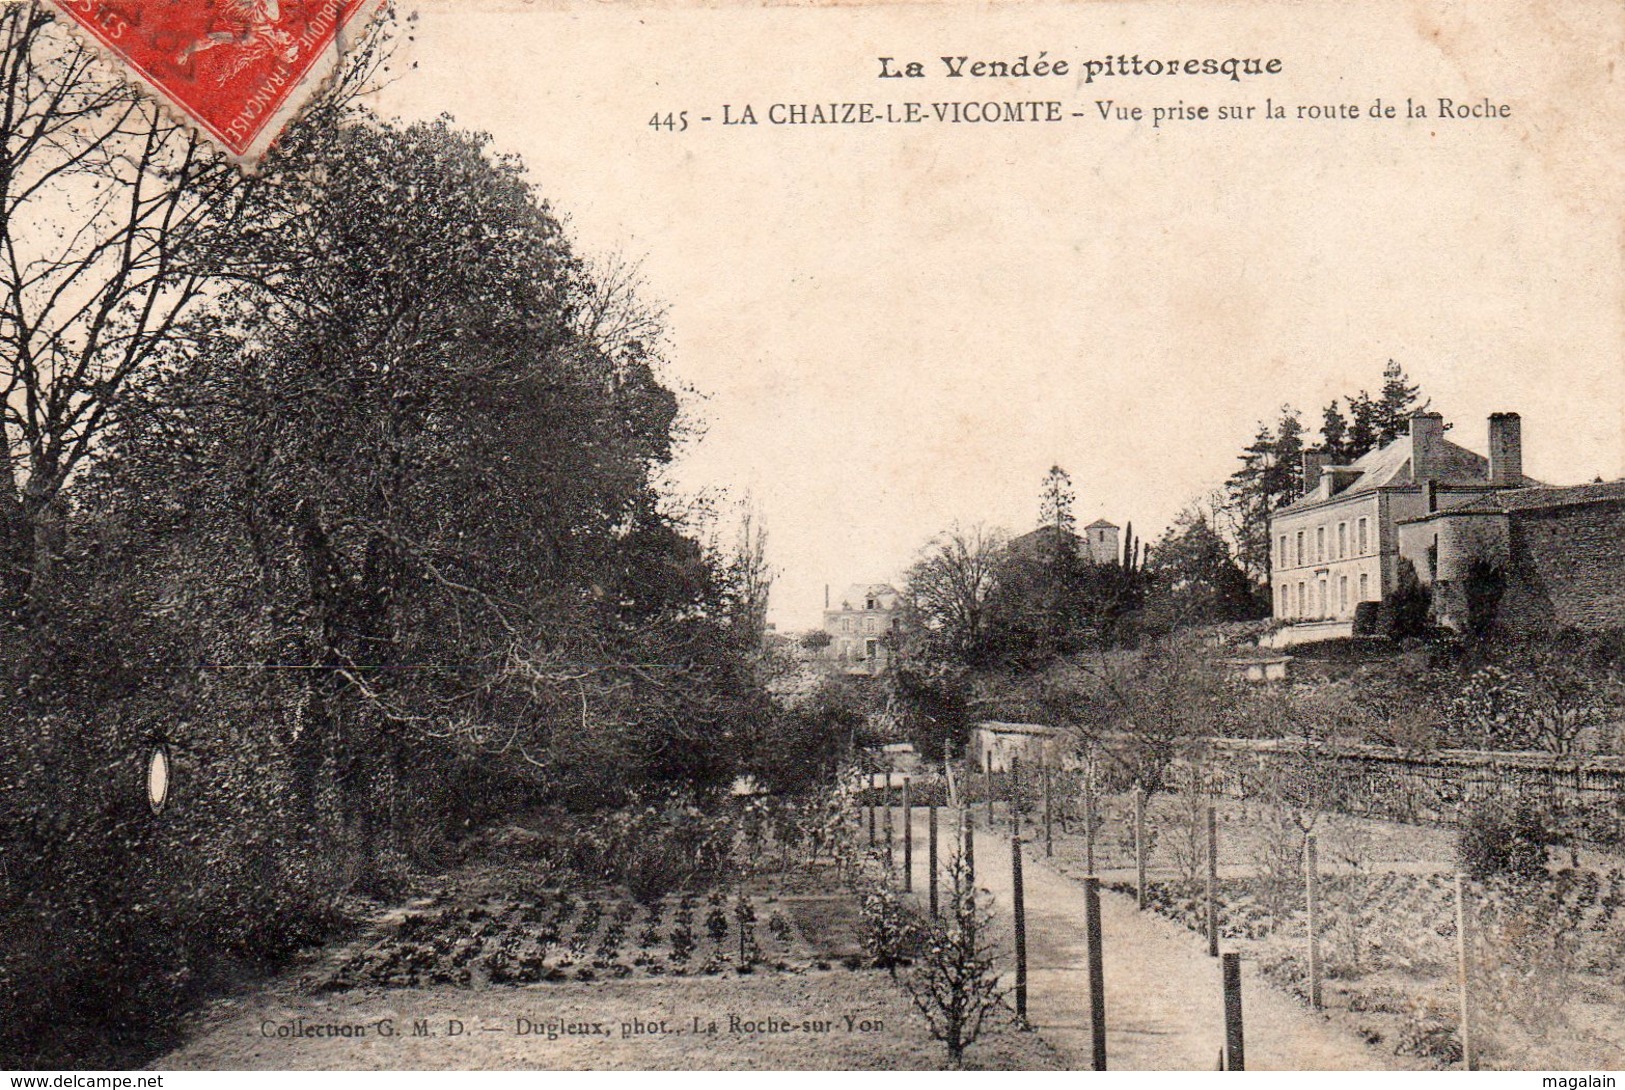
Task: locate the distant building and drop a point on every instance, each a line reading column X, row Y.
column 859, row 627
column 1100, row 542
column 992, row 744
column 1559, row 552
column 1338, row 545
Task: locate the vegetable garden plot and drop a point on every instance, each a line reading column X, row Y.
column 1547, row 961
column 585, row 936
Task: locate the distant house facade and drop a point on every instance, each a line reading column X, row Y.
column 1556, row 557
column 1338, row 545
column 859, row 626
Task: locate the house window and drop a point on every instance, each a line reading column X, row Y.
column 1324, row 611
column 1300, row 548
column 1342, row 595
column 870, row 647
column 1320, row 543
column 846, row 624
column 1342, row 540
column 1363, row 546
column 1303, row 601
column 870, row 604
column 1286, row 601
column 1365, row 584
column 1282, row 554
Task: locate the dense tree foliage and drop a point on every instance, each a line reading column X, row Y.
column 1271, row 472
column 1268, row 478
column 1194, row 580
column 368, row 534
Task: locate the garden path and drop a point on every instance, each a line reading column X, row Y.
column 1164, row 1004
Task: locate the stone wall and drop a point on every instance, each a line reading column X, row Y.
column 1568, row 567
column 1436, row 789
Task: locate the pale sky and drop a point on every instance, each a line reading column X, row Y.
column 897, row 327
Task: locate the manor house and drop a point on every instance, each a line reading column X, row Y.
column 1556, row 555
column 1338, row 544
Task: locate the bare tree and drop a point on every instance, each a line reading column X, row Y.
column 951, row 582
column 116, row 222
column 613, row 313
column 107, row 212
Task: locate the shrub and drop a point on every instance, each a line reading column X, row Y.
column 1501, row 841
column 1405, row 611
column 955, row 983
column 891, row 928
column 1365, row 618
column 745, row 916
column 655, row 848
column 1482, row 591
column 716, row 924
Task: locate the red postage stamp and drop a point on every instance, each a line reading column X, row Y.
column 240, row 69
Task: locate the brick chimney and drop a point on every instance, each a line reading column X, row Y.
column 1427, row 445
column 1314, row 461
column 1506, row 450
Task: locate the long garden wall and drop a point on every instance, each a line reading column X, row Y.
column 1586, row 794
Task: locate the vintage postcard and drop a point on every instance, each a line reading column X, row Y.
column 892, row 537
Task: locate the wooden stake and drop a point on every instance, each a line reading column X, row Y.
column 1049, row 818
column 1461, row 973
column 987, row 786
column 908, row 839
column 891, row 863
column 1019, row 911
column 1311, row 890
column 1088, row 829
column 1015, row 791
column 970, row 851
column 931, row 854
column 871, row 809
column 1212, row 883
column 1235, row 1049
column 1097, row 972
column 1139, row 846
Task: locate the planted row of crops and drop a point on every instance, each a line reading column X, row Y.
column 557, row 935
column 1405, row 921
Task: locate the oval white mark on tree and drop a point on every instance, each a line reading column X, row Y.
column 158, row 779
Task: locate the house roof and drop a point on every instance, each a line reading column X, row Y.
column 1391, row 466
column 1101, row 524
column 1532, row 499
column 996, row 727
column 859, row 593
column 1043, row 539
column 1042, row 533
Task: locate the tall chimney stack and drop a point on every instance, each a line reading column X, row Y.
column 1427, row 444
column 1314, row 462
column 1506, row 450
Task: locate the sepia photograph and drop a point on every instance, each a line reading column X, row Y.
column 777, row 537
